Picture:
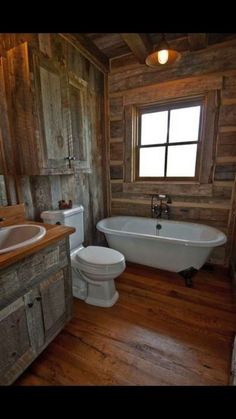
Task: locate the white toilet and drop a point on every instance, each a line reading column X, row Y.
column 94, row 268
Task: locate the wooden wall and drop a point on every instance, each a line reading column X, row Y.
column 86, row 187
column 209, row 70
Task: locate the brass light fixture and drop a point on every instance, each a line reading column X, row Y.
column 162, row 55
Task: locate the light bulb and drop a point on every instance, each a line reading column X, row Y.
column 163, row 56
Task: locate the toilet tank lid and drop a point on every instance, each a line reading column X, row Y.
column 65, row 212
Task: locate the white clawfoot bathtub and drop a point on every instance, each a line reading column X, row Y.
column 175, row 247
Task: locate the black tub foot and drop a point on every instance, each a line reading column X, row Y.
column 188, row 275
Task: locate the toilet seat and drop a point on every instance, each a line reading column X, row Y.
column 99, row 256
column 99, row 260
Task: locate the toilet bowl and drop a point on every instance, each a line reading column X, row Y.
column 94, row 268
column 98, row 267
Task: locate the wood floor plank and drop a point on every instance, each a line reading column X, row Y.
column 158, row 333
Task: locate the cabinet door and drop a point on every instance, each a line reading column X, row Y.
column 53, row 300
column 52, row 98
column 18, row 339
column 79, row 143
column 39, row 111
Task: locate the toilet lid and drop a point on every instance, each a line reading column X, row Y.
column 97, row 255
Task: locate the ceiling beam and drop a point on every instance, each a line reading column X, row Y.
column 197, row 41
column 139, row 44
column 88, row 49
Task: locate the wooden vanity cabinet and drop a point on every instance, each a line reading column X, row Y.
column 35, row 304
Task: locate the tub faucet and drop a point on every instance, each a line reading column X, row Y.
column 158, row 207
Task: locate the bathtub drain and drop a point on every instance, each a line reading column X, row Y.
column 158, row 228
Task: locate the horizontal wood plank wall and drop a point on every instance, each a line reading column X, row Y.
column 196, row 73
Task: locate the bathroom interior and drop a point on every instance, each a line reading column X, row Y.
column 117, row 209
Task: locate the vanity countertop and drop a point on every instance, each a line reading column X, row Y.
column 53, row 234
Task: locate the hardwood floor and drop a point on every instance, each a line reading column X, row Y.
column 158, row 333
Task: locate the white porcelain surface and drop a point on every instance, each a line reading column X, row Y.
column 99, row 256
column 94, row 267
column 16, row 236
column 72, row 217
column 177, row 246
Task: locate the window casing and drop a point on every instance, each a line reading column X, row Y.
column 166, row 148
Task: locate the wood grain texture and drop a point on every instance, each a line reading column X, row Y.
column 53, row 234
column 158, row 333
column 87, row 180
column 139, row 43
column 88, row 49
column 208, row 201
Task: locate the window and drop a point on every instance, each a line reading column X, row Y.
column 169, row 140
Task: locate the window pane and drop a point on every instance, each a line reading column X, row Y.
column 184, row 124
column 181, row 160
column 151, row 161
column 154, row 128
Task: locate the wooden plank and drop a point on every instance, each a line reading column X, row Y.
column 8, row 149
column 139, row 43
column 224, row 184
column 224, row 129
column 116, row 140
column 208, row 147
column 225, row 172
column 53, row 299
column 219, row 205
column 24, row 122
column 116, row 162
column 186, row 189
column 155, row 315
column 45, row 43
column 116, row 107
column 116, row 172
column 116, row 129
column 228, row 97
column 227, row 115
column 233, row 365
column 197, row 41
column 12, row 214
column 117, row 151
column 88, row 49
column 227, row 159
column 172, row 89
column 213, row 59
column 130, row 142
column 116, row 187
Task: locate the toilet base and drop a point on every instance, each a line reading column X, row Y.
column 102, row 293
column 102, row 303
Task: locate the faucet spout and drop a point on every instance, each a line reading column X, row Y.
column 158, row 207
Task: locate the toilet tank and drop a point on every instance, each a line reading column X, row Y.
column 70, row 217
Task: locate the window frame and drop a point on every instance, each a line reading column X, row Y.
column 168, row 106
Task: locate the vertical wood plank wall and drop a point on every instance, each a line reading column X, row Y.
column 211, row 203
column 84, row 187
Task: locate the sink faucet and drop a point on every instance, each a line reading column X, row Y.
column 158, row 207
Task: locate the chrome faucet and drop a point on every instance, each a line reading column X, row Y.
column 158, row 207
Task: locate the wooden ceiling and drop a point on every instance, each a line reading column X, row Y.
column 109, row 47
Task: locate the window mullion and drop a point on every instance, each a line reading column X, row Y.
column 167, row 141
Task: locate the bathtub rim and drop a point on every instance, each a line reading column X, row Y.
column 218, row 241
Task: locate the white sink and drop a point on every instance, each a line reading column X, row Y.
column 16, row 236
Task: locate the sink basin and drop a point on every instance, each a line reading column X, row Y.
column 16, row 236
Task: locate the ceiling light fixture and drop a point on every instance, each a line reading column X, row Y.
column 162, row 55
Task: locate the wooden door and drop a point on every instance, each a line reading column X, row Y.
column 79, row 141
column 40, row 118
column 53, row 301
column 19, row 339
column 52, row 99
